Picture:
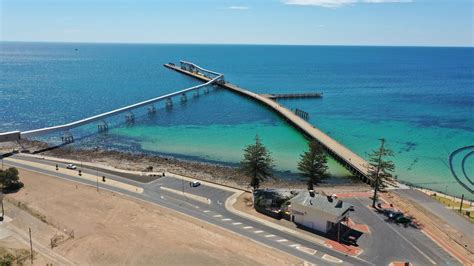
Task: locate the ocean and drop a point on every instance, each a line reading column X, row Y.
column 420, row 99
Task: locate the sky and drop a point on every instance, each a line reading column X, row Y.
column 300, row 22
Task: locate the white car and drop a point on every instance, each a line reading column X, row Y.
column 71, row 166
column 195, row 184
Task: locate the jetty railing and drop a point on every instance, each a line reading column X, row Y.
column 354, row 163
column 17, row 135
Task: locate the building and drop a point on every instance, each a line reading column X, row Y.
column 321, row 213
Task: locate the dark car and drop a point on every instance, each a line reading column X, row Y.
column 195, row 184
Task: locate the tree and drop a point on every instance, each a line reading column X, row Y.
column 9, row 179
column 313, row 164
column 257, row 163
column 380, row 168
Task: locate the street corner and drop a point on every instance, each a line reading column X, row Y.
column 346, row 249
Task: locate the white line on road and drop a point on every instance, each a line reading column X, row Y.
column 247, row 227
column 226, row 219
column 258, row 231
column 404, row 238
column 217, row 215
column 269, row 235
column 295, row 245
column 331, row 258
column 282, row 240
column 236, row 223
column 310, row 251
column 206, row 211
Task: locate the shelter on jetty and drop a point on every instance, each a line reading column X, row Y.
column 353, row 162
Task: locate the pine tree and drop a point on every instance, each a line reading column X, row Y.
column 313, row 164
column 257, row 163
column 380, row 168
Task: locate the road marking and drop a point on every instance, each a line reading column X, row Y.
column 206, row 211
column 404, row 238
column 247, row 227
column 269, row 235
column 226, row 219
column 162, row 197
column 295, row 245
column 258, row 231
column 282, row 240
column 310, row 251
column 217, row 215
column 236, row 223
column 331, row 258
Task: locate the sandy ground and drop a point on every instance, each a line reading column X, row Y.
column 112, row 229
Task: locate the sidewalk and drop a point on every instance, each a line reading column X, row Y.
column 229, row 204
column 74, row 173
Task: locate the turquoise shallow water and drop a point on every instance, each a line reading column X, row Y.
column 420, row 99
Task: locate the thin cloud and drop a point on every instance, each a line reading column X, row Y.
column 339, row 3
column 238, row 7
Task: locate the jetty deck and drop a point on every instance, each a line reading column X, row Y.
column 353, row 162
column 276, row 96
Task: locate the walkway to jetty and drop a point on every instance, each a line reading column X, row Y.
column 213, row 77
column 353, row 162
column 275, row 96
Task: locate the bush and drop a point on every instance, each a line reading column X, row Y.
column 10, row 180
column 14, row 187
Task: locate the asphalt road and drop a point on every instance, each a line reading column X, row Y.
column 453, row 219
column 390, row 242
column 214, row 214
column 386, row 245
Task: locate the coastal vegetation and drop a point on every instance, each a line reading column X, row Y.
column 380, row 168
column 10, row 180
column 257, row 163
column 313, row 164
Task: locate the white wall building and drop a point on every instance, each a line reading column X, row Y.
column 320, row 213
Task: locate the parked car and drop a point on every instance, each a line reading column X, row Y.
column 71, row 166
column 394, row 215
column 195, row 184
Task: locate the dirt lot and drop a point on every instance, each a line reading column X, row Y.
column 112, row 229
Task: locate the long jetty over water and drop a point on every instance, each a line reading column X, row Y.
column 293, row 95
column 213, row 77
column 353, row 162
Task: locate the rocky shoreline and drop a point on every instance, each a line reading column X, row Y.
column 136, row 161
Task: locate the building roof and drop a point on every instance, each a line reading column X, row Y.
column 322, row 203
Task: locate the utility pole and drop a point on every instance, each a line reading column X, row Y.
column 3, row 212
column 97, row 179
column 462, row 200
column 31, row 246
column 376, row 187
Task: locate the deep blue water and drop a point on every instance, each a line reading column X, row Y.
column 420, row 99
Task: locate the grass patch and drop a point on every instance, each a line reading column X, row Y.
column 454, row 205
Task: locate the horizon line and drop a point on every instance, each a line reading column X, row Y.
column 242, row 44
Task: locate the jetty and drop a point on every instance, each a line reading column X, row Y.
column 276, row 96
column 354, row 163
column 351, row 161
